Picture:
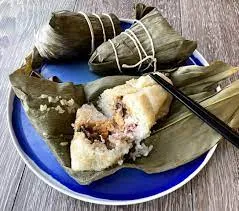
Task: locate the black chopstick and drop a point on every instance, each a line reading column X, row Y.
column 215, row 123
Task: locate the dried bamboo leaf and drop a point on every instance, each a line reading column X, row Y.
column 171, row 49
column 67, row 36
column 141, row 10
column 179, row 139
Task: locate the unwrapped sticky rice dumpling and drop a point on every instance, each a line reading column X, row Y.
column 127, row 113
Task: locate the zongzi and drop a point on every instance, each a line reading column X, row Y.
column 150, row 43
column 75, row 35
column 128, row 113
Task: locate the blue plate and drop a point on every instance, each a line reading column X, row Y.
column 127, row 186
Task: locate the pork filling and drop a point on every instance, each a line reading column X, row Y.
column 121, row 117
column 107, row 131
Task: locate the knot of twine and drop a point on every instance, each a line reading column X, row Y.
column 139, row 47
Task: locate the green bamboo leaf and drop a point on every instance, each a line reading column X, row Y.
column 171, row 49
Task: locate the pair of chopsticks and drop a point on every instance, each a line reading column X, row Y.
column 210, row 119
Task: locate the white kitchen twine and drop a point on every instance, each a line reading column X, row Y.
column 112, row 23
column 116, row 56
column 138, row 46
column 102, row 26
column 91, row 31
column 137, row 40
column 139, row 52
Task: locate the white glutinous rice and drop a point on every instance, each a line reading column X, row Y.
column 43, row 107
column 59, row 109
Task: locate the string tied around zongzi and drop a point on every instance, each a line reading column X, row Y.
column 153, row 61
column 142, row 60
column 102, row 26
column 112, row 23
column 139, row 48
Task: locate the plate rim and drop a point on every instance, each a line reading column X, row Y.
column 61, row 188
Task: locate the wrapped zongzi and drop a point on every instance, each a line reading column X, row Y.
column 150, row 43
column 75, row 35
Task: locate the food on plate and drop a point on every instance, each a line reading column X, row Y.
column 128, row 112
column 149, row 44
column 176, row 139
column 122, row 121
